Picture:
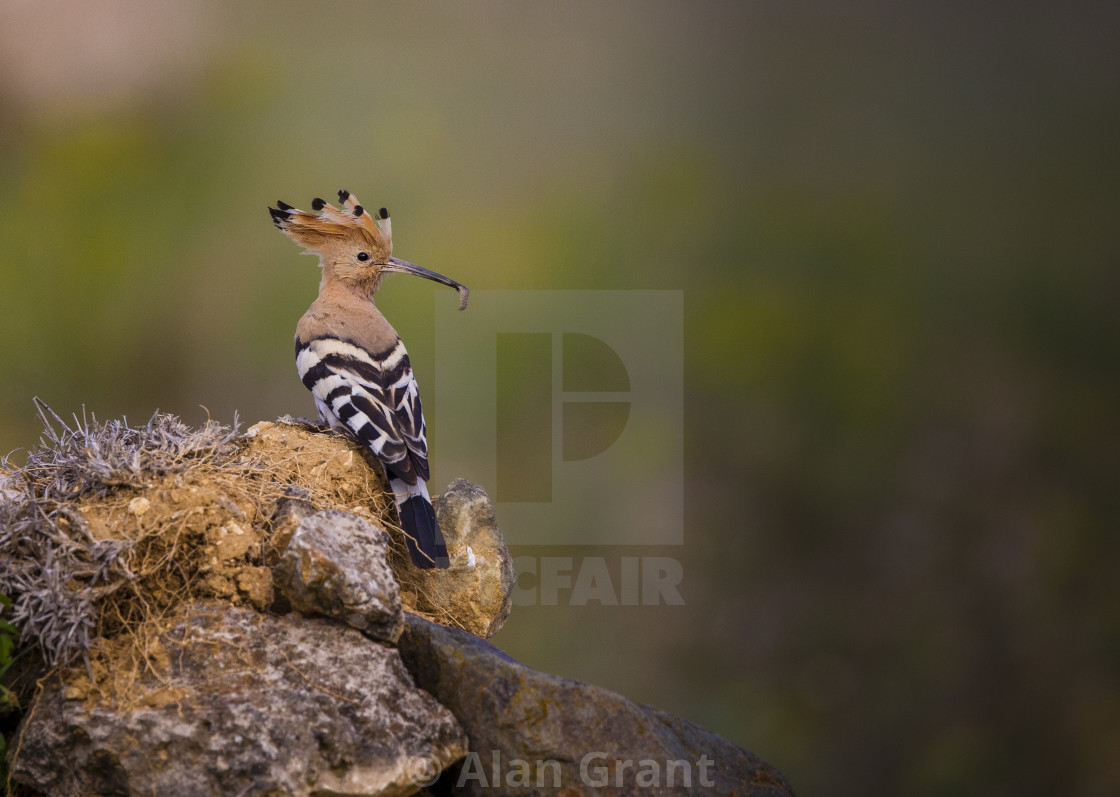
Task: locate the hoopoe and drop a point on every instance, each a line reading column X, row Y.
column 353, row 361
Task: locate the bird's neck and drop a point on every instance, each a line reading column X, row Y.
column 341, row 312
column 341, row 291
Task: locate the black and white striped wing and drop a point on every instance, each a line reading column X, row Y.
column 372, row 396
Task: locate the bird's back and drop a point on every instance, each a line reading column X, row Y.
column 359, row 373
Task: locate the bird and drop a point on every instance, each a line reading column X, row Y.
column 353, row 361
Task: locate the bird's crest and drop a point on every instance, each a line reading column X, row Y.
column 318, row 230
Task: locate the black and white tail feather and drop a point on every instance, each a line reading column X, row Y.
column 373, row 398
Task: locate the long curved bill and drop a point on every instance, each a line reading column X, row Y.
column 404, row 267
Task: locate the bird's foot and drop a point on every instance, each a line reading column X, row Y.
column 314, row 425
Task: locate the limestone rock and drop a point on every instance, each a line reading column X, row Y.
column 519, row 721
column 289, row 512
column 335, row 565
column 241, row 703
column 476, row 592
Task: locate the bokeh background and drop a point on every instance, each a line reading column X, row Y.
column 898, row 233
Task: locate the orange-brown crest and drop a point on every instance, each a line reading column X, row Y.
column 336, row 234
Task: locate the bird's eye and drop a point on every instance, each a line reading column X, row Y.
column 363, row 256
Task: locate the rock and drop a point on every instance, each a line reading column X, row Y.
column 532, row 733
column 183, row 695
column 335, row 565
column 235, row 702
column 475, row 593
column 288, row 514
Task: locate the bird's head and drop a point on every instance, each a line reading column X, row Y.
column 354, row 245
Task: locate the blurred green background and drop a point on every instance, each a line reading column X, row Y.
column 898, row 234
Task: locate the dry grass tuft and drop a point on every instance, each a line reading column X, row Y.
column 52, row 564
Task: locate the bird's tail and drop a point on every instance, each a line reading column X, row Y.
column 426, row 546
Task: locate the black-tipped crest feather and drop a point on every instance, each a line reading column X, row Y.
column 279, row 217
